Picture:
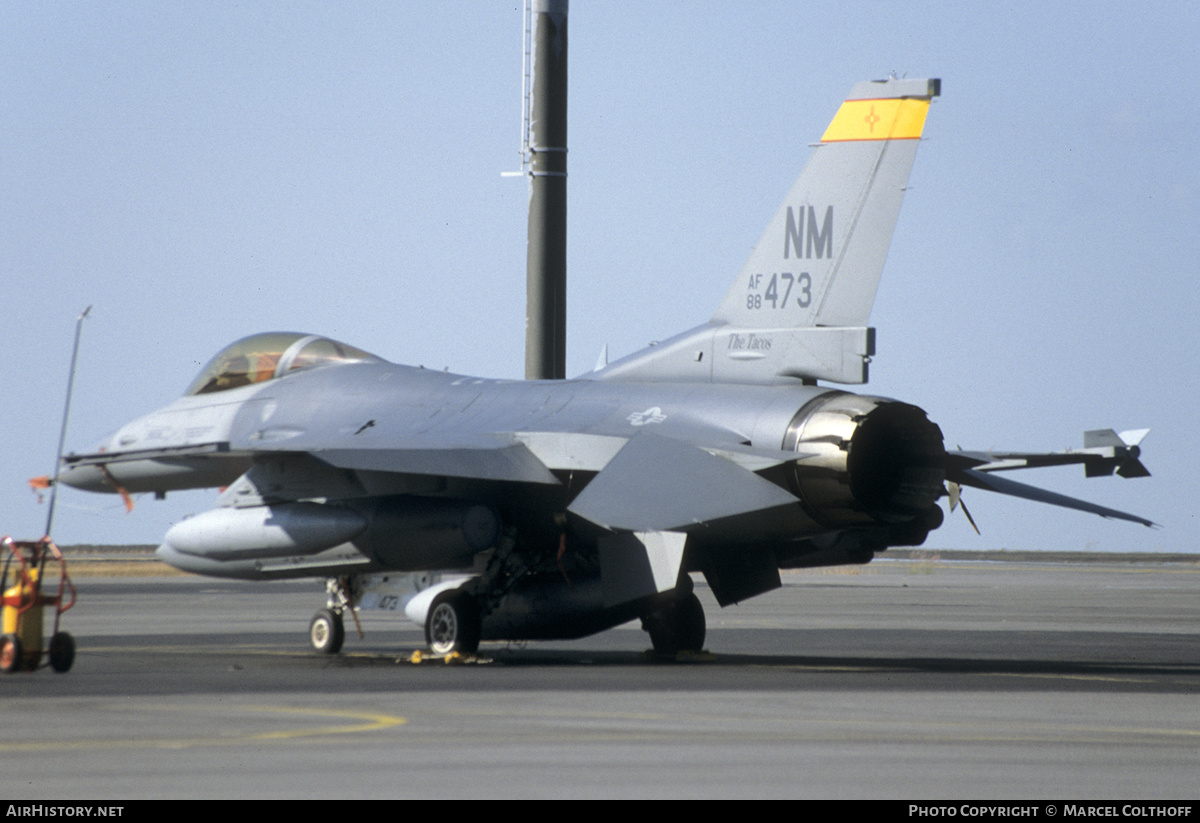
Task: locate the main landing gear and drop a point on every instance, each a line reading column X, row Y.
column 677, row 626
column 453, row 624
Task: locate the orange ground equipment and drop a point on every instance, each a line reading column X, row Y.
column 24, row 600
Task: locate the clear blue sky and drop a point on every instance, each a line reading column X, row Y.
column 203, row 171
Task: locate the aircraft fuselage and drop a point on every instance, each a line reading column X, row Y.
column 370, row 438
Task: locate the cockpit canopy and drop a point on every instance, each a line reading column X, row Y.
column 265, row 356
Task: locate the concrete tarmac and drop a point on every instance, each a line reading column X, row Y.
column 901, row 679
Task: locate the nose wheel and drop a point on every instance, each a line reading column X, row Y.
column 326, row 632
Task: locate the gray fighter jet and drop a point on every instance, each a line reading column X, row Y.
column 499, row 509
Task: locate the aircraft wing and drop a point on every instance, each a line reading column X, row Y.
column 645, row 483
column 657, row 483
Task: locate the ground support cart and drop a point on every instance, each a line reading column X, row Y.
column 24, row 599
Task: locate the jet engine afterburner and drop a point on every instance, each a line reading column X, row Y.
column 866, row 460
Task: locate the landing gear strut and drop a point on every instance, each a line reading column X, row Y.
column 326, row 632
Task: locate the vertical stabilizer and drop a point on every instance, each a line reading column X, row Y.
column 819, row 261
column 799, row 307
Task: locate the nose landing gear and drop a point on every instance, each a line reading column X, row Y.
column 326, row 632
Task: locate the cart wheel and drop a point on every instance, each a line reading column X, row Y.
column 10, row 653
column 62, row 652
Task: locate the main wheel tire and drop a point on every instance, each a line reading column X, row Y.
column 10, row 653
column 692, row 625
column 453, row 624
column 326, row 633
column 677, row 627
column 62, row 652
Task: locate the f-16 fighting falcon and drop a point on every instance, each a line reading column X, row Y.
column 505, row 510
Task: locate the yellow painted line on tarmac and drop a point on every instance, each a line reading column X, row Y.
column 369, row 722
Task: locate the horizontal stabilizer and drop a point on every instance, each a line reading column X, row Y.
column 980, row 480
column 658, row 484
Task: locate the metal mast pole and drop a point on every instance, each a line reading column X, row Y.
column 546, row 271
column 62, row 434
